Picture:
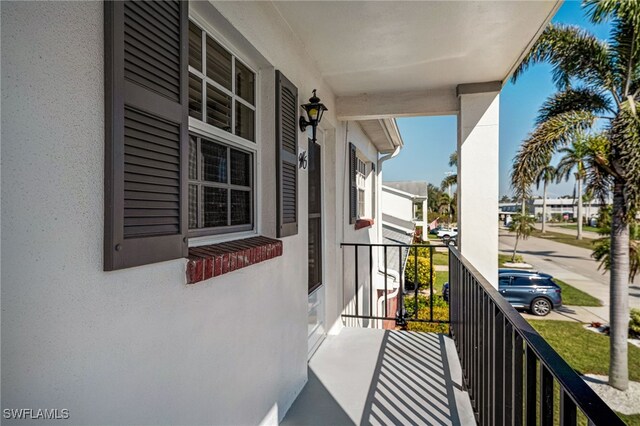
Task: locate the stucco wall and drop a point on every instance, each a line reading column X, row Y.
column 139, row 345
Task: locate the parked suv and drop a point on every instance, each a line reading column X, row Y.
column 534, row 291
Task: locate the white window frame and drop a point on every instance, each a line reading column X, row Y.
column 208, row 131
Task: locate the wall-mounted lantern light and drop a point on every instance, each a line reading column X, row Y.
column 314, row 110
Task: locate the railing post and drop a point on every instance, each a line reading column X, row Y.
column 400, row 311
column 546, row 396
column 531, row 415
column 355, row 250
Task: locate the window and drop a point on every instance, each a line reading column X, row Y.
column 361, row 180
column 222, row 106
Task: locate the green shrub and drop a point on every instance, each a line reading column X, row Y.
column 634, row 324
column 440, row 313
column 423, row 270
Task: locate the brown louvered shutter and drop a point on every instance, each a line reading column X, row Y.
column 353, row 186
column 287, row 155
column 146, row 130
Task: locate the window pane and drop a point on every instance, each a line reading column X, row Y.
column 240, row 168
column 245, row 117
column 214, row 207
column 214, row 162
column 195, row 46
column 195, row 97
column 245, row 83
column 240, row 207
column 193, row 156
column 193, row 206
column 218, row 109
column 218, row 63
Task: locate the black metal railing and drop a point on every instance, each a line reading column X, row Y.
column 512, row 374
column 373, row 262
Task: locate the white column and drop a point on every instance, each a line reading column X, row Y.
column 425, row 220
column 478, row 134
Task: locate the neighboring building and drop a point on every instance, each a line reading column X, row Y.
column 174, row 245
column 557, row 208
column 405, row 201
column 563, row 208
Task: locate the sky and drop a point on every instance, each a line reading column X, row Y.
column 428, row 141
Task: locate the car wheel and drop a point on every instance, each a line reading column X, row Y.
column 445, row 238
column 540, row 306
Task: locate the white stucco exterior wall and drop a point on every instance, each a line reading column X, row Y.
column 139, row 346
column 478, row 137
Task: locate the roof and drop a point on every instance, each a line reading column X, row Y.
column 390, row 236
column 415, row 187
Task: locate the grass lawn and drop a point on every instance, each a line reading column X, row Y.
column 585, row 351
column 573, row 296
column 564, row 238
column 441, row 258
column 502, row 258
column 441, row 278
column 584, row 227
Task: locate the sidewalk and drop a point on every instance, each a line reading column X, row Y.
column 554, row 227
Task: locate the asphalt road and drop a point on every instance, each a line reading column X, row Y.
column 571, row 264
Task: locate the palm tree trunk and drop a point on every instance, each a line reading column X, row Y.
column 619, row 291
column 515, row 249
column 544, row 207
column 579, row 185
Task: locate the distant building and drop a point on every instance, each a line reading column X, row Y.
column 403, row 205
column 561, row 208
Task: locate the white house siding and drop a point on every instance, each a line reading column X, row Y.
column 139, row 346
column 397, row 204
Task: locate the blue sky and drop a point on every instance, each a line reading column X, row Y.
column 430, row 140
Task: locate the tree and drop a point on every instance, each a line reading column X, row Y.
column 574, row 156
column 451, row 179
column 602, row 246
column 546, row 174
column 522, row 225
column 597, row 80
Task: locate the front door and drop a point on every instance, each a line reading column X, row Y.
column 316, row 326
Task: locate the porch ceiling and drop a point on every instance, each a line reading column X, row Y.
column 401, row 46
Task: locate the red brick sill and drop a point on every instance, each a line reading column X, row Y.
column 363, row 223
column 217, row 259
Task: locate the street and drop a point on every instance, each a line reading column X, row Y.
column 573, row 265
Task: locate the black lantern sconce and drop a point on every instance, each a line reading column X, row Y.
column 314, row 110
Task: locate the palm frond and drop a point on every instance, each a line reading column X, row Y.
column 449, row 181
column 535, row 152
column 624, row 155
column 573, row 53
column 580, row 99
column 453, row 159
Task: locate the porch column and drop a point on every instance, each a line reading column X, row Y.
column 478, row 134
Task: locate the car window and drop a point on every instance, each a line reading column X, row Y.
column 503, row 281
column 523, row 281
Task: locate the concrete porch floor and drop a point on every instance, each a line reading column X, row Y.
column 379, row 377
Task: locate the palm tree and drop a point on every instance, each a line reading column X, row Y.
column 597, row 80
column 546, row 174
column 451, row 179
column 575, row 157
column 602, row 246
column 522, row 225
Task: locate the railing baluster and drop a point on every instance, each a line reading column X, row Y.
column 518, row 382
column 487, row 361
column 400, row 310
column 386, row 313
column 355, row 250
column 370, row 280
column 498, row 368
column 416, row 282
column 508, row 374
column 531, row 416
column 431, row 283
column 568, row 414
column 546, row 396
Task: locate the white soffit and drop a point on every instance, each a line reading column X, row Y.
column 383, row 133
column 400, row 46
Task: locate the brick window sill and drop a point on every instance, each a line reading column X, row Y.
column 363, row 223
column 218, row 259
